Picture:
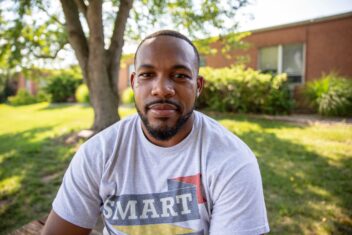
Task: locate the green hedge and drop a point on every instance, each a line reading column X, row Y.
column 331, row 95
column 82, row 94
column 23, row 98
column 62, row 88
column 237, row 89
column 127, row 96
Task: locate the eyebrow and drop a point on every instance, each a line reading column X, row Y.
column 180, row 66
column 177, row 66
column 145, row 66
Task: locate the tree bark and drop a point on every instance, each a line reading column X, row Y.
column 99, row 66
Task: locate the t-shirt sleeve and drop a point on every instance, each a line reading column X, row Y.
column 78, row 200
column 238, row 201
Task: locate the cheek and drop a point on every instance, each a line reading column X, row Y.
column 140, row 95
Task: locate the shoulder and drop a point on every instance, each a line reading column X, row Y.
column 223, row 149
column 221, row 139
column 111, row 133
column 105, row 145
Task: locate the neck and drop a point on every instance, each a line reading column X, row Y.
column 180, row 135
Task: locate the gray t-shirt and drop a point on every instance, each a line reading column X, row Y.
column 209, row 183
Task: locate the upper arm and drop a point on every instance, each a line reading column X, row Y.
column 55, row 225
column 238, row 202
column 78, row 200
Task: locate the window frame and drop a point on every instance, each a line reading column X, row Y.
column 279, row 67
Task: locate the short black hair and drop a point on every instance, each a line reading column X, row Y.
column 171, row 33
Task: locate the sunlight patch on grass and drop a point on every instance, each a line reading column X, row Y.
column 10, row 185
column 306, row 170
column 239, row 126
column 126, row 111
column 319, row 191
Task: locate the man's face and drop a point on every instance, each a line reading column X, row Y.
column 165, row 85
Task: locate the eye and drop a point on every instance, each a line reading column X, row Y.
column 181, row 76
column 145, row 75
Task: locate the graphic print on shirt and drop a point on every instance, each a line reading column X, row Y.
column 156, row 213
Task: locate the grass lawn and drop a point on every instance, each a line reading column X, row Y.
column 306, row 170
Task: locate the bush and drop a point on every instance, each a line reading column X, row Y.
column 82, row 94
column 22, row 98
column 62, row 88
column 237, row 89
column 331, row 95
column 127, row 96
column 42, row 96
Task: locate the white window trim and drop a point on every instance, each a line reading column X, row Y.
column 304, row 65
column 279, row 59
column 279, row 62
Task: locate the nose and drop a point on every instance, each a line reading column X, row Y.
column 163, row 88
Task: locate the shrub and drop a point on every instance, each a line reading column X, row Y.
column 82, row 94
column 62, row 88
column 244, row 90
column 331, row 95
column 22, row 98
column 127, row 96
column 42, row 96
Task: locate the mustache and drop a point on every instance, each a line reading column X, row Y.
column 163, row 101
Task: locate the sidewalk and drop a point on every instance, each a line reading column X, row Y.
column 307, row 119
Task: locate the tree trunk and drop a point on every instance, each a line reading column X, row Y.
column 102, row 95
column 99, row 66
column 104, row 99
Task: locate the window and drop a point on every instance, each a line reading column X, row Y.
column 28, row 85
column 202, row 62
column 268, row 59
column 287, row 59
column 130, row 71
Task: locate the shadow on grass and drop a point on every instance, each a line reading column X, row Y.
column 301, row 187
column 31, row 172
column 55, row 106
column 304, row 192
column 263, row 123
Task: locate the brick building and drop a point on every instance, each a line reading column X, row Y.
column 304, row 50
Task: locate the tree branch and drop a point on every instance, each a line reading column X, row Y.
column 76, row 35
column 43, row 56
column 95, row 21
column 82, row 7
column 50, row 15
column 115, row 49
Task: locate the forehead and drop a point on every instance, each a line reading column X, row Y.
column 165, row 50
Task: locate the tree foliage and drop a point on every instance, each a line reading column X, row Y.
column 96, row 31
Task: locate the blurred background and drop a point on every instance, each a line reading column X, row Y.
column 278, row 75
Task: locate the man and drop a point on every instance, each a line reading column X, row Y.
column 167, row 170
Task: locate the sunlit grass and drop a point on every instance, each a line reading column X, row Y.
column 34, row 156
column 306, row 170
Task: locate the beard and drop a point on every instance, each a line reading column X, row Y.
column 164, row 133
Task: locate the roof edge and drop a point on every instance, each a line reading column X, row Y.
column 303, row 22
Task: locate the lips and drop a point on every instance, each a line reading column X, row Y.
column 162, row 110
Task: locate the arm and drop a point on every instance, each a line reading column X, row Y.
column 77, row 203
column 239, row 206
column 55, row 225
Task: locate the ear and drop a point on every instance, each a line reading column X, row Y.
column 132, row 79
column 200, row 84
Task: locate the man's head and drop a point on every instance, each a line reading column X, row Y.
column 170, row 33
column 166, row 83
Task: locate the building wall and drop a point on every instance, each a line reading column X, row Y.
column 124, row 75
column 28, row 85
column 328, row 47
